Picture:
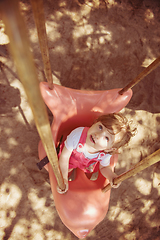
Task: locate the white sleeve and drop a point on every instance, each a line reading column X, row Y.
column 73, row 138
column 106, row 160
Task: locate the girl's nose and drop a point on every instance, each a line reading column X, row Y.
column 98, row 135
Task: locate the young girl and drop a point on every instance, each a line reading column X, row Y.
column 90, row 149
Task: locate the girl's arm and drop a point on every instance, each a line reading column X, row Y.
column 109, row 174
column 64, row 166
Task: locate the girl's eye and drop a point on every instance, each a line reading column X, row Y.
column 107, row 138
column 100, row 127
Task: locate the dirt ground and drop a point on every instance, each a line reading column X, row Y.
column 93, row 45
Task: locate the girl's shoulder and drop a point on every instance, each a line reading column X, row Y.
column 73, row 138
column 76, row 131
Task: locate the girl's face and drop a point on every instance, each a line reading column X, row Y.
column 99, row 138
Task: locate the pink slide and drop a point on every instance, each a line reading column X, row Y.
column 84, row 205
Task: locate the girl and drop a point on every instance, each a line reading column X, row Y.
column 91, row 148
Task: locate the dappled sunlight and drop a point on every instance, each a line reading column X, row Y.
column 12, row 142
column 52, row 28
column 143, row 186
column 28, row 115
column 147, row 207
column 149, row 217
column 34, row 36
column 114, row 212
column 10, row 196
column 147, row 61
column 88, row 29
column 60, row 49
column 7, row 131
column 21, row 229
column 150, row 54
column 156, row 181
column 3, row 37
column 62, row 4
column 13, row 171
column 149, row 15
column 124, row 218
column 80, row 31
column 94, row 34
column 4, row 154
column 111, row 3
column 6, row 220
column 38, row 205
column 131, row 235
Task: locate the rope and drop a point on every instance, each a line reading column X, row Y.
column 143, row 74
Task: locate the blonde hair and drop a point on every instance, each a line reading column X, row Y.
column 115, row 123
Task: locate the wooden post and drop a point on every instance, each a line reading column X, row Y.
column 143, row 74
column 19, row 47
column 145, row 163
column 38, row 11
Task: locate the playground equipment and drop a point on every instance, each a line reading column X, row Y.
column 81, row 209
column 84, row 205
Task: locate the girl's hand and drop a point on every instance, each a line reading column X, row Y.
column 65, row 190
column 110, row 175
column 114, row 185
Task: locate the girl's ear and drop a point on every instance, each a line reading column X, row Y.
column 112, row 149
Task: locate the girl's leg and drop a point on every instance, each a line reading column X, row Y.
column 71, row 174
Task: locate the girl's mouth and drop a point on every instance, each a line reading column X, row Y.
column 92, row 139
